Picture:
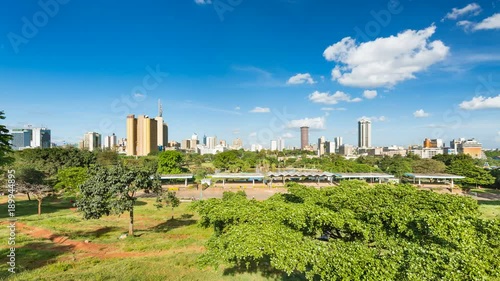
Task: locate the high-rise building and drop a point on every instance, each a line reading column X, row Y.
column 321, row 146
column 223, row 143
column 40, row 138
column 330, row 147
column 211, row 142
column 91, row 141
column 281, row 144
column 338, row 143
column 434, row 143
column 162, row 130
column 274, row 145
column 142, row 135
column 304, row 137
column 205, row 140
column 186, row 144
column 256, row 147
column 237, row 144
column 364, row 133
column 110, row 142
column 21, row 138
column 471, row 147
column 194, row 142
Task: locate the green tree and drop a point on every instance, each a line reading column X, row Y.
column 353, row 232
column 32, row 182
column 227, row 160
column 114, row 191
column 473, row 174
column 428, row 166
column 69, row 179
column 5, row 139
column 170, row 199
column 170, row 162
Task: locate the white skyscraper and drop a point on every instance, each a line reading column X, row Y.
column 281, row 144
column 211, row 142
column 274, row 145
column 110, row 142
column 321, row 146
column 364, row 133
column 91, row 141
column 40, row 138
column 338, row 143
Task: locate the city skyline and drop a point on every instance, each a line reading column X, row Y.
column 255, row 76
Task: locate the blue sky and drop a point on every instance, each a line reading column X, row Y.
column 256, row 69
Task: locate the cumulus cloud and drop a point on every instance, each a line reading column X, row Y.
column 472, row 8
column 420, row 114
column 313, row 123
column 203, row 2
column 481, row 102
column 492, row 22
column 374, row 118
column 301, row 79
column 369, row 94
column 261, row 110
column 327, row 98
column 387, row 61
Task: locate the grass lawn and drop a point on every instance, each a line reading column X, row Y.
column 163, row 249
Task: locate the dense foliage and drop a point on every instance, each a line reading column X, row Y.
column 114, row 190
column 170, row 162
column 354, row 232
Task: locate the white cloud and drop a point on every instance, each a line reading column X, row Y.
column 492, row 22
column 261, row 110
column 287, row 135
column 139, row 95
column 301, row 79
column 253, row 134
column 203, row 2
column 455, row 13
column 420, row 114
column 237, row 108
column 481, row 102
column 369, row 94
column 313, row 123
column 333, row 109
column 374, row 118
column 387, row 61
column 327, row 98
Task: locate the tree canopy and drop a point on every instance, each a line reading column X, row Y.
column 354, row 232
column 170, row 162
column 114, row 190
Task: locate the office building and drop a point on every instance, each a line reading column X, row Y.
column 91, row 141
column 237, row 144
column 40, row 138
column 330, row 147
column 211, row 142
column 142, row 135
column 21, row 138
column 110, row 142
column 194, row 142
column 186, row 144
column 162, row 129
column 433, row 143
column 256, row 147
column 304, row 137
column 281, row 144
column 471, row 147
column 364, row 133
column 338, row 142
column 274, row 145
column 346, row 150
column 321, row 146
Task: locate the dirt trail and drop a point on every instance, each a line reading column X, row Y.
column 82, row 249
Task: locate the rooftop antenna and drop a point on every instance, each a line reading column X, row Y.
column 160, row 109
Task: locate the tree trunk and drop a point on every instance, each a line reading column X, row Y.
column 39, row 206
column 29, row 198
column 131, row 224
column 172, row 213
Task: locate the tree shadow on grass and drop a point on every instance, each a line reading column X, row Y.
column 28, row 208
column 265, row 270
column 489, row 202
column 172, row 224
column 93, row 234
column 35, row 255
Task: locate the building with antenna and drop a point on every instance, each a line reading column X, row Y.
column 162, row 129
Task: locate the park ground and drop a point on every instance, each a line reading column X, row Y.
column 61, row 245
